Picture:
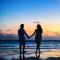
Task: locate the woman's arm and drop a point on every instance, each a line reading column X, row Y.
column 41, row 33
column 32, row 34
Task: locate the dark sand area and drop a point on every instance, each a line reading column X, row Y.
column 46, row 54
column 34, row 58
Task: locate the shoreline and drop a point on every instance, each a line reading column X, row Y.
column 13, row 54
column 30, row 40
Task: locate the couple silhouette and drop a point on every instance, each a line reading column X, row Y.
column 38, row 37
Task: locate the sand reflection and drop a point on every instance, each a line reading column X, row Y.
column 14, row 54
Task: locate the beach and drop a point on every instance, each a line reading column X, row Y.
column 29, row 25
column 46, row 54
column 50, row 50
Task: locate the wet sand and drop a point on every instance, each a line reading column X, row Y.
column 46, row 54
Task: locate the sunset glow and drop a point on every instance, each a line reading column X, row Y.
column 30, row 13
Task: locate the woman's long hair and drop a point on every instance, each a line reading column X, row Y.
column 39, row 27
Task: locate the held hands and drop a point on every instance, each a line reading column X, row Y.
column 28, row 36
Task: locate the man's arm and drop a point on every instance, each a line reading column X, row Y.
column 26, row 34
column 18, row 32
column 32, row 34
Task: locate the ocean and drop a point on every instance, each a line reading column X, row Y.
column 30, row 44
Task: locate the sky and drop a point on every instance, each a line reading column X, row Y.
column 30, row 13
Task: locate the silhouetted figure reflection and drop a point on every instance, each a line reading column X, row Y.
column 38, row 55
column 38, row 37
column 21, row 33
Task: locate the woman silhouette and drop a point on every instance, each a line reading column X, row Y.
column 38, row 36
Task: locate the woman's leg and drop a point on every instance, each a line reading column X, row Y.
column 36, row 50
column 39, row 45
column 39, row 50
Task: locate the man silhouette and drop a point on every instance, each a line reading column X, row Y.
column 21, row 33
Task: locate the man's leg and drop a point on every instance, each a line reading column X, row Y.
column 20, row 51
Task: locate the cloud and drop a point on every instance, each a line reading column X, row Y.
column 15, row 27
column 8, row 36
column 3, row 26
column 54, row 32
column 0, row 30
column 36, row 22
column 31, row 32
column 8, row 30
column 15, row 37
column 57, row 34
column 48, row 31
column 15, row 30
column 52, row 13
column 59, row 1
column 47, row 37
